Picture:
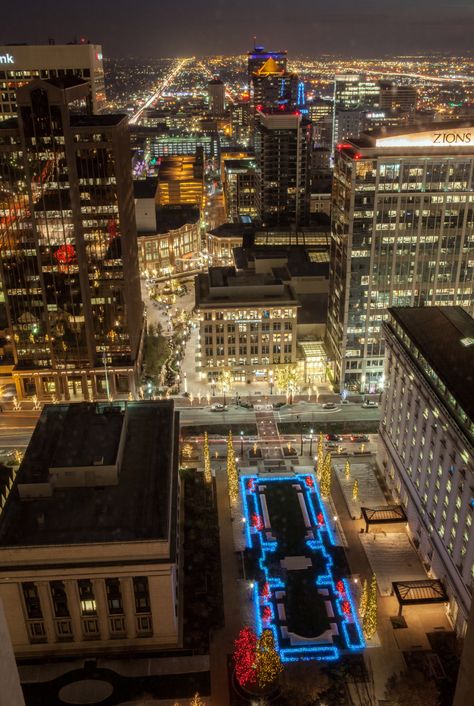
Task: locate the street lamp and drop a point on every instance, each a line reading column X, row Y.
column 311, row 442
column 271, row 383
column 242, row 444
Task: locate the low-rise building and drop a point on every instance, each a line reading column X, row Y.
column 427, row 440
column 175, row 244
column 222, row 240
column 89, row 539
column 247, row 323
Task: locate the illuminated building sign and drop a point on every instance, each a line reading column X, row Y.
column 6, row 59
column 453, row 137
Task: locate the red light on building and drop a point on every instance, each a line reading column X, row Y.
column 65, row 254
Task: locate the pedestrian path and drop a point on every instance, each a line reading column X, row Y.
column 392, row 558
column 369, row 491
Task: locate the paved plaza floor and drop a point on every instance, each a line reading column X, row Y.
column 392, row 558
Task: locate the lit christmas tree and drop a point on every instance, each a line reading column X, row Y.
column 326, row 477
column 232, row 475
column 207, row 460
column 369, row 623
column 268, row 662
column 196, row 701
column 355, row 490
column 244, row 657
column 320, row 461
column 347, row 470
column 363, row 599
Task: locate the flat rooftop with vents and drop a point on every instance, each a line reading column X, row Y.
column 96, row 473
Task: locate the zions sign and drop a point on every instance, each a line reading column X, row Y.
column 454, row 137
column 6, row 59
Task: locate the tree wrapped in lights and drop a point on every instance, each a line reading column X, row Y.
column 369, row 623
column 224, row 383
column 288, row 380
column 347, row 470
column 267, row 662
column 326, row 477
column 207, row 460
column 355, row 490
column 196, row 700
column 320, row 462
column 363, row 599
column 232, row 475
column 244, row 657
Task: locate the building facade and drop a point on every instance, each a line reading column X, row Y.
column 402, row 235
column 427, row 440
column 89, row 545
column 175, row 243
column 216, row 92
column 69, row 265
column 20, row 64
column 240, row 188
column 247, row 324
column 282, row 152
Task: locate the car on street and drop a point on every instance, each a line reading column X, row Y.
column 369, row 403
column 359, row 438
column 333, row 437
column 329, row 405
column 218, row 407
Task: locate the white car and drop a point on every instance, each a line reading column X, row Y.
column 218, row 407
column 329, row 405
column 369, row 403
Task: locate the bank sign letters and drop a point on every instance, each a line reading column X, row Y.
column 6, row 59
column 452, row 137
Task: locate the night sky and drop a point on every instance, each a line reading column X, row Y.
column 153, row 28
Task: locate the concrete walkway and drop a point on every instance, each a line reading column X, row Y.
column 222, row 641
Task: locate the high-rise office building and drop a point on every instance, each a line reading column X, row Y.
column 216, row 91
column 282, row 150
column 240, row 188
column 393, row 97
column 352, row 92
column 257, row 57
column 20, row 64
column 68, row 262
column 426, row 449
column 403, row 235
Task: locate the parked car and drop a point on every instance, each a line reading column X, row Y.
column 329, row 405
column 333, row 437
column 277, row 405
column 359, row 438
column 369, row 403
column 216, row 407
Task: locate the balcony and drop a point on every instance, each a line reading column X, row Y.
column 117, row 626
column 144, row 625
column 90, row 628
column 36, row 631
column 63, row 629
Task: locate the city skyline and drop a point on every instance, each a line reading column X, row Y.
column 306, row 28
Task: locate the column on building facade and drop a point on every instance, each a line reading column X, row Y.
column 65, row 383
column 85, row 389
column 38, row 387
column 47, row 610
column 128, row 602
column 70, row 587
column 162, row 602
column 100, row 596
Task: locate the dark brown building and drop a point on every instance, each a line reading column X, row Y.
column 68, row 262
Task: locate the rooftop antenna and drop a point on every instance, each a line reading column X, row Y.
column 255, row 42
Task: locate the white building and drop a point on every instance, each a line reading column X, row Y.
column 427, row 440
column 20, row 64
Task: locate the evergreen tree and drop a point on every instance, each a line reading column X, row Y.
column 326, row 477
column 363, row 599
column 355, row 490
column 369, row 623
column 232, row 475
column 268, row 662
column 347, row 470
column 207, row 460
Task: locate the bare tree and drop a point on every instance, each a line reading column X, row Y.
column 411, row 689
column 303, row 682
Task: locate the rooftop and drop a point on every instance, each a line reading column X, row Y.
column 445, row 338
column 137, row 508
column 174, row 217
column 145, row 188
column 368, row 139
column 224, row 286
